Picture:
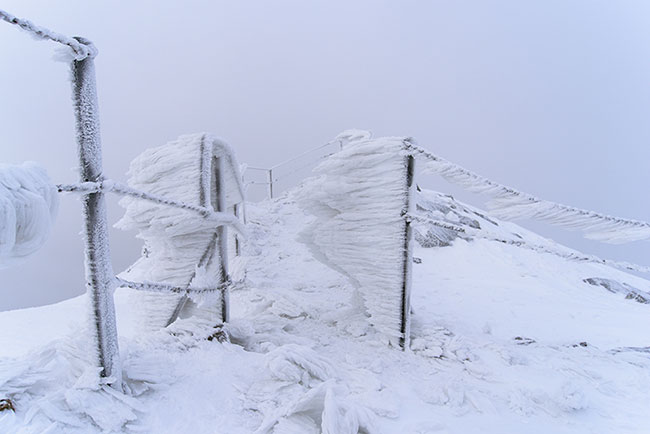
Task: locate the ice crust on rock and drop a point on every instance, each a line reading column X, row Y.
column 359, row 198
column 28, row 207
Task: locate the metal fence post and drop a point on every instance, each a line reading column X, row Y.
column 270, row 183
column 100, row 279
column 219, row 205
column 405, row 328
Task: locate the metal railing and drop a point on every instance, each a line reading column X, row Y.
column 93, row 185
column 275, row 179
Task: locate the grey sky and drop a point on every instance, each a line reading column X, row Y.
column 551, row 97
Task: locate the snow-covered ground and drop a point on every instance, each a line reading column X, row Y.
column 507, row 337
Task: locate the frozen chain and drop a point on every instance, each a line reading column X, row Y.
column 81, row 50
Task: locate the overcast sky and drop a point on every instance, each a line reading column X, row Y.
column 550, row 97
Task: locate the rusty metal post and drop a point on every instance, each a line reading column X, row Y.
column 100, row 278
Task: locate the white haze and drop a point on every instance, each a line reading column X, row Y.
column 550, row 97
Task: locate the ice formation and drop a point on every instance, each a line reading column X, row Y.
column 77, row 50
column 28, row 206
column 179, row 243
column 360, row 201
column 511, row 204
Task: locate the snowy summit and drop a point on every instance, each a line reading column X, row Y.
column 509, row 332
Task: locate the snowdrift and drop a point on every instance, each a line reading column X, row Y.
column 28, row 206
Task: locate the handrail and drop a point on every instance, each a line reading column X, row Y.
column 271, row 180
column 307, row 153
column 100, row 277
column 511, row 204
column 219, row 218
column 79, row 48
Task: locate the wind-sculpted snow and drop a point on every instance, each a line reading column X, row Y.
column 358, row 197
column 28, row 206
column 176, row 239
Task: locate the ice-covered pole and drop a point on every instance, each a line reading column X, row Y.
column 100, row 279
column 405, row 310
column 219, row 198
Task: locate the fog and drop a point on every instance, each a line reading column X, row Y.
column 550, row 97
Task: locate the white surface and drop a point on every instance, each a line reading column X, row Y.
column 496, row 347
column 28, row 205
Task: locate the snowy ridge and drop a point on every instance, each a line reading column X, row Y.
column 511, row 204
column 28, row 206
column 504, row 339
column 359, row 200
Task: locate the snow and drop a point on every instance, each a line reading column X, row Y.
column 28, row 206
column 507, row 337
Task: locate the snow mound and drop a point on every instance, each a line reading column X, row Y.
column 28, row 206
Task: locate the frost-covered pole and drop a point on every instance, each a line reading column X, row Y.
column 100, row 279
column 222, row 234
column 405, row 327
column 270, row 183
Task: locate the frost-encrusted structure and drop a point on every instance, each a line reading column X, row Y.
column 28, row 206
column 181, row 247
column 360, row 200
column 511, row 204
column 78, row 50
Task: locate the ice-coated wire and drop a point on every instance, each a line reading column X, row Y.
column 80, row 50
column 511, row 204
column 124, row 190
column 166, row 288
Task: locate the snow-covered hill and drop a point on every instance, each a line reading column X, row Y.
column 511, row 333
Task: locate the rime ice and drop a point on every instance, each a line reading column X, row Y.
column 28, row 205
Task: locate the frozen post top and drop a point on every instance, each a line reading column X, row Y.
column 80, row 48
column 28, row 206
column 360, row 201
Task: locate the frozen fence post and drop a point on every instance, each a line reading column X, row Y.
column 218, row 198
column 362, row 202
column 100, row 279
column 405, row 327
